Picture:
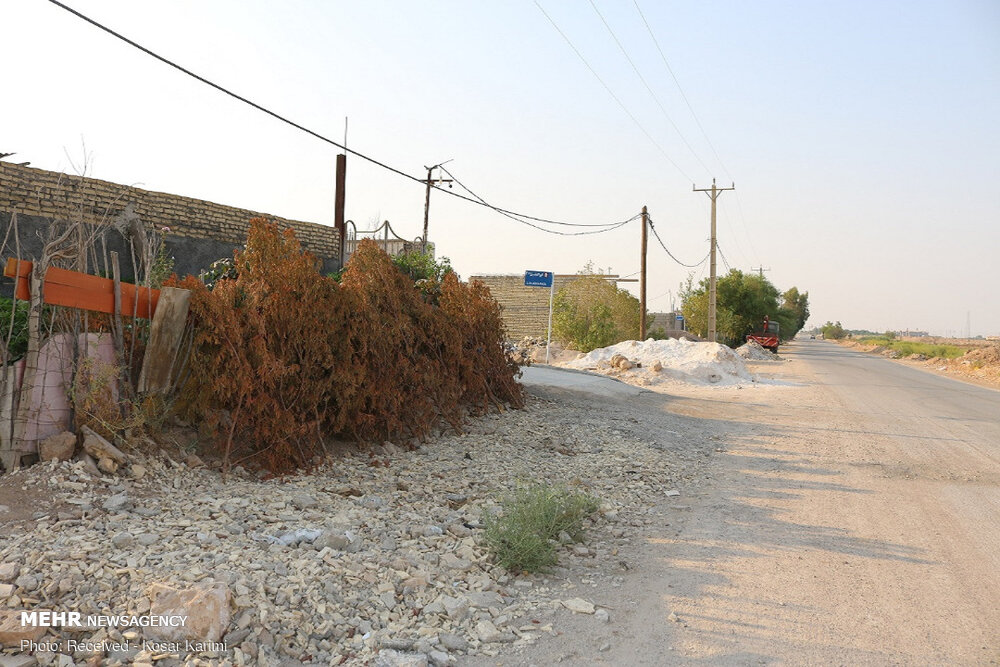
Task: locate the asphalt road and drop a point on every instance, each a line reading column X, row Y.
column 856, row 521
column 851, row 519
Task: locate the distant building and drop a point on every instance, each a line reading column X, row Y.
column 525, row 310
column 672, row 321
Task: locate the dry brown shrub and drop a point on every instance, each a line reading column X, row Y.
column 284, row 355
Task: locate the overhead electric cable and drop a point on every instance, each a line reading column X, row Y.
column 530, row 217
column 681, row 89
column 610, row 92
column 723, row 256
column 697, row 120
column 607, row 227
column 652, row 94
column 292, row 123
column 664, row 246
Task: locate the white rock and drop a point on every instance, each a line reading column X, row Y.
column 579, row 606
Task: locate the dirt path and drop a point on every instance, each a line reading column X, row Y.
column 852, row 520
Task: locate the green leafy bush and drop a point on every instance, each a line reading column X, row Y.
column 15, row 334
column 590, row 312
column 523, row 537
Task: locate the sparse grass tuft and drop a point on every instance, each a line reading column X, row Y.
column 524, row 535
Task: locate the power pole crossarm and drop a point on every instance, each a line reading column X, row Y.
column 713, row 194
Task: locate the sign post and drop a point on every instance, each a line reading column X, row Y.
column 543, row 279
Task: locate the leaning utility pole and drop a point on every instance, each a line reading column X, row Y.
column 713, row 193
column 427, row 200
column 642, row 278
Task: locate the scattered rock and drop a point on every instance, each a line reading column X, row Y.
column 337, row 541
column 440, row 658
column 455, row 608
column 12, row 633
column 95, row 445
column 27, row 582
column 206, row 607
column 579, row 606
column 490, row 634
column 304, row 501
column 372, row 570
column 453, row 642
column 123, row 540
column 59, row 447
column 117, row 502
column 392, row 658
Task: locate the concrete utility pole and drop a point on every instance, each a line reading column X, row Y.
column 713, row 194
column 642, row 275
column 427, row 200
column 761, row 269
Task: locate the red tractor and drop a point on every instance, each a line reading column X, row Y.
column 768, row 336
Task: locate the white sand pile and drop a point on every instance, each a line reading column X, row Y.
column 752, row 351
column 666, row 361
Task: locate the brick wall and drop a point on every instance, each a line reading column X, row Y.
column 525, row 309
column 47, row 195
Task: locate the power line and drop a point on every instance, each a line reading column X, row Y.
column 530, row 217
column 610, row 92
column 302, row 128
column 648, row 87
column 723, row 256
column 697, row 120
column 681, row 89
column 664, row 246
column 607, row 227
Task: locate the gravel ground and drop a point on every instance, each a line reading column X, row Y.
column 397, row 573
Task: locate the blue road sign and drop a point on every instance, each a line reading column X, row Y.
column 538, row 278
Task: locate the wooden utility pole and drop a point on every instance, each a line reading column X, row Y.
column 713, row 193
column 642, row 278
column 427, row 200
column 338, row 204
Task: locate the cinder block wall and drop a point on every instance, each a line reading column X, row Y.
column 525, row 309
column 199, row 230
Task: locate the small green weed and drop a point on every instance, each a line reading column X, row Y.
column 523, row 536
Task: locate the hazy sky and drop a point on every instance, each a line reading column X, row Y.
column 862, row 136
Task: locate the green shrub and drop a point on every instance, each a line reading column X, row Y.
column 590, row 312
column 523, row 536
column 16, row 335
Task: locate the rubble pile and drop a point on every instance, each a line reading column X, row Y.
column 375, row 557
